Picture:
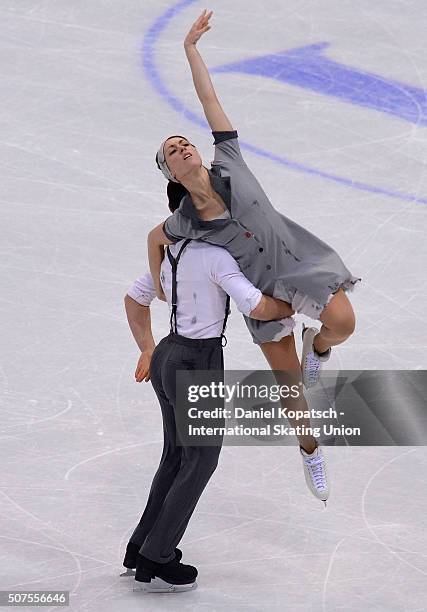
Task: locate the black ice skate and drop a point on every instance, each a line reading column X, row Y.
column 164, row 577
column 132, row 554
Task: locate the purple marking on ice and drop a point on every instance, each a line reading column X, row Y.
column 153, row 75
column 308, row 68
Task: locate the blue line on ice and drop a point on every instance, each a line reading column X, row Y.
column 152, row 72
column 308, row 68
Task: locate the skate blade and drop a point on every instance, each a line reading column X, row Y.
column 128, row 572
column 157, row 585
column 322, row 500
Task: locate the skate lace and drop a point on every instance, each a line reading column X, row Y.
column 312, row 365
column 317, row 472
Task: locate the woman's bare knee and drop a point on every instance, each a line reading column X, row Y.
column 347, row 325
column 338, row 316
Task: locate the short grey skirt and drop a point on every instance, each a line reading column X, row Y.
column 304, row 304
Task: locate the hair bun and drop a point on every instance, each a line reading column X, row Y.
column 175, row 191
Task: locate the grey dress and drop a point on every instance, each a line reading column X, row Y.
column 277, row 255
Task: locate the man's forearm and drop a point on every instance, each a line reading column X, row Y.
column 139, row 320
column 201, row 78
column 270, row 309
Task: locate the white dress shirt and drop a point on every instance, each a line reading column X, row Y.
column 205, row 275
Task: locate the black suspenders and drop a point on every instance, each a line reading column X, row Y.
column 224, row 325
column 174, row 263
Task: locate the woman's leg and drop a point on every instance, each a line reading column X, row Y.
column 338, row 323
column 282, row 356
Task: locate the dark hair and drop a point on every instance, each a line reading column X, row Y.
column 176, row 191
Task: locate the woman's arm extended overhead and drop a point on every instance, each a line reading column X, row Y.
column 215, row 116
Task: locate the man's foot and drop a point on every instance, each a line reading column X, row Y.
column 311, row 360
column 315, row 473
column 164, row 577
column 132, row 554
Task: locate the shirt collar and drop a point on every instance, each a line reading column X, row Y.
column 221, row 184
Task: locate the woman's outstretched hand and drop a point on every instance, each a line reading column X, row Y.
column 199, row 27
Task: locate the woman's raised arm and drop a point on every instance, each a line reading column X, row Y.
column 214, row 113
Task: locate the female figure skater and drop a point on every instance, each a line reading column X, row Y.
column 226, row 206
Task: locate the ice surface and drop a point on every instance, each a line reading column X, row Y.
column 89, row 90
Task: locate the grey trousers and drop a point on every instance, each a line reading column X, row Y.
column 184, row 471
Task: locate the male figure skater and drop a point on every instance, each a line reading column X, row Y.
column 197, row 292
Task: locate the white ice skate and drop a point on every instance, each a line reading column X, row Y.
column 310, row 360
column 315, row 473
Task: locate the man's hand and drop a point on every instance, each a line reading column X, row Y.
column 142, row 371
column 199, row 27
column 271, row 309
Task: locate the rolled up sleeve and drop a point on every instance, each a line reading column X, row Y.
column 179, row 227
column 172, row 229
column 227, row 148
column 227, row 274
column 143, row 291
